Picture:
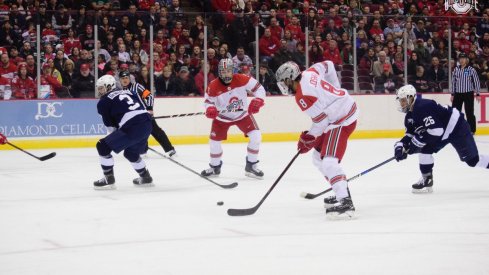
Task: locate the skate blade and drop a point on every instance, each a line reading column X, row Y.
column 251, row 175
column 144, row 185
column 425, row 190
column 107, row 187
column 327, row 206
column 348, row 215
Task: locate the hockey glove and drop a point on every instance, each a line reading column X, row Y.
column 415, row 146
column 211, row 112
column 3, row 139
column 255, row 105
column 399, row 151
column 306, row 142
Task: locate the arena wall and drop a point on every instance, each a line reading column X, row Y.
column 75, row 123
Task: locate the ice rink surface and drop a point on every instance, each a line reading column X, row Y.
column 53, row 222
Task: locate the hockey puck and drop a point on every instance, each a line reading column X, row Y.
column 220, row 203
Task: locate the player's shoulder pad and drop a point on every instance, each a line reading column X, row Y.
column 305, row 101
column 240, row 80
column 214, row 88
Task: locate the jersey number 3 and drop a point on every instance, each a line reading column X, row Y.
column 132, row 105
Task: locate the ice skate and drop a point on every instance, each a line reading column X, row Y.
column 252, row 171
column 330, row 201
column 105, row 183
column 214, row 171
column 171, row 153
column 424, row 185
column 145, row 180
column 342, row 210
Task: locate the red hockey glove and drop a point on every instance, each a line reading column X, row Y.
column 3, row 139
column 255, row 105
column 306, row 142
column 211, row 112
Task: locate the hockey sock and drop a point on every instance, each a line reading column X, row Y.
column 253, row 145
column 216, row 152
column 426, row 163
column 333, row 172
column 139, row 166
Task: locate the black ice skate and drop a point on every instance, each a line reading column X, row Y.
column 252, row 171
column 145, row 180
column 171, row 153
column 330, row 201
column 424, row 184
column 341, row 210
column 105, row 183
column 214, row 171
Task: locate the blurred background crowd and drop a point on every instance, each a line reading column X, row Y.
column 377, row 45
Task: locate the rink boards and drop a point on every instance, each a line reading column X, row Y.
column 75, row 123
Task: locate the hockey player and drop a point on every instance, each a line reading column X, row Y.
column 147, row 96
column 334, row 117
column 226, row 104
column 430, row 127
column 124, row 111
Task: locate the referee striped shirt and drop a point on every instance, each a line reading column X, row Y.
column 465, row 80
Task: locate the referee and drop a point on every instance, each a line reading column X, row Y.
column 465, row 83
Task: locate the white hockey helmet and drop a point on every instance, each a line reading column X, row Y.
column 225, row 70
column 285, row 75
column 105, row 84
column 406, row 95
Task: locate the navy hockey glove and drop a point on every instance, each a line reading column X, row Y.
column 415, row 146
column 399, row 151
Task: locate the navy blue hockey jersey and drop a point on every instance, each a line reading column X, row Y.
column 430, row 122
column 119, row 107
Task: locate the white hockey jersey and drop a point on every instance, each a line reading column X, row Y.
column 231, row 100
column 320, row 96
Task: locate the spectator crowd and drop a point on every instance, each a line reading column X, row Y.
column 386, row 31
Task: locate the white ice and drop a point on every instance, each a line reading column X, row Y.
column 53, row 222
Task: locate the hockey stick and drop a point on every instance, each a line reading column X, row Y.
column 225, row 186
column 251, row 211
column 310, row 196
column 43, row 158
column 193, row 114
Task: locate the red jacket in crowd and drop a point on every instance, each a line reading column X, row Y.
column 8, row 71
column 222, row 5
column 23, row 88
column 269, row 45
column 51, row 83
column 333, row 55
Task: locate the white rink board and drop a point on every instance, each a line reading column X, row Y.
column 282, row 115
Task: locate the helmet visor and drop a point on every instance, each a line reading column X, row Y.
column 284, row 89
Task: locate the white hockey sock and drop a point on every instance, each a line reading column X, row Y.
column 216, row 152
column 253, row 145
column 139, row 165
column 340, row 188
column 483, row 161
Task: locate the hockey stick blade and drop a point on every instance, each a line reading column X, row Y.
column 225, row 186
column 48, row 156
column 43, row 158
column 251, row 211
column 310, row 196
column 242, row 212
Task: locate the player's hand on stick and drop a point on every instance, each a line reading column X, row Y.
column 306, row 142
column 211, row 112
column 399, row 152
column 3, row 139
column 255, row 105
